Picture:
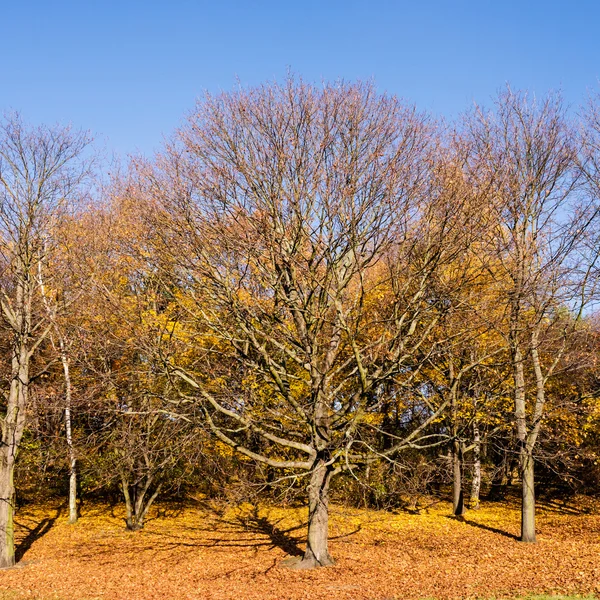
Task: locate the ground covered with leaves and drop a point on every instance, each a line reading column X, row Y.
column 211, row 552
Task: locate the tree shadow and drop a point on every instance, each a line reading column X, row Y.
column 253, row 522
column 254, row 528
column 168, row 511
column 279, row 538
column 34, row 533
column 501, row 532
column 561, row 507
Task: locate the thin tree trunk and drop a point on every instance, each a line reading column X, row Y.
column 128, row 505
column 525, row 452
column 72, row 457
column 137, row 508
column 68, row 397
column 142, row 516
column 476, row 481
column 527, row 462
column 528, row 504
column 458, row 505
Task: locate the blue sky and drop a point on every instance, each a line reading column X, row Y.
column 130, row 70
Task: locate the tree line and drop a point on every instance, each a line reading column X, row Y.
column 314, row 288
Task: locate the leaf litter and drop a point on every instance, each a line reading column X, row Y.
column 204, row 552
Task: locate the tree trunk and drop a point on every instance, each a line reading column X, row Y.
column 458, row 505
column 526, row 455
column 137, row 508
column 144, row 510
column 72, row 491
column 476, row 482
column 317, row 552
column 528, row 504
column 7, row 491
column 12, row 430
column 72, row 458
column 128, row 506
column 525, row 452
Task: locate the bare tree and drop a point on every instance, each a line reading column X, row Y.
column 308, row 228
column 525, row 158
column 40, row 169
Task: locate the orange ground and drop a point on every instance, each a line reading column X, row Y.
column 200, row 553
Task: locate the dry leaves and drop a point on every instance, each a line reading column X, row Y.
column 203, row 553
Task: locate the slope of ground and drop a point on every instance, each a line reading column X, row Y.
column 204, row 553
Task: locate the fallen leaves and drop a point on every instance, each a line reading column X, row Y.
column 201, row 553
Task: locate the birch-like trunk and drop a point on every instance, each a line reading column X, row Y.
column 476, row 480
column 69, row 434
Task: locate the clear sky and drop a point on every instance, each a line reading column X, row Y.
column 129, row 70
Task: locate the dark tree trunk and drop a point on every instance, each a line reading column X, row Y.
column 501, row 479
column 458, row 504
column 498, row 484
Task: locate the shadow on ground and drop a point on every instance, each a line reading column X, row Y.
column 279, row 538
column 34, row 533
column 466, row 521
column 253, row 529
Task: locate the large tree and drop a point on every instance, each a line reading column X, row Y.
column 306, row 229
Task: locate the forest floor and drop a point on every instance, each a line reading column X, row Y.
column 205, row 552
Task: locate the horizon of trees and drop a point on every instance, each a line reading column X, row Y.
column 311, row 290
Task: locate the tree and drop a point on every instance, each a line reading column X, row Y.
column 306, row 231
column 40, row 171
column 524, row 159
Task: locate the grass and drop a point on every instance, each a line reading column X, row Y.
column 558, row 598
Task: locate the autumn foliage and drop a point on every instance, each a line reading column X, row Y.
column 314, row 298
